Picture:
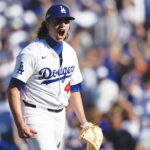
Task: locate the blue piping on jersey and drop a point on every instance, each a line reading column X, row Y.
column 51, row 81
column 57, row 46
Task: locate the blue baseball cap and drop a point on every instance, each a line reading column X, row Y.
column 58, row 11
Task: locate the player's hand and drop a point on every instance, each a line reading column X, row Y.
column 25, row 131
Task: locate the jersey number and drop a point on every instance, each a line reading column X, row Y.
column 67, row 88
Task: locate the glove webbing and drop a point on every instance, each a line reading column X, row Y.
column 84, row 130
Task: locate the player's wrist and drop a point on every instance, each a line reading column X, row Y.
column 86, row 124
column 20, row 123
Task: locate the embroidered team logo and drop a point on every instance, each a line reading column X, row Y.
column 20, row 69
column 62, row 9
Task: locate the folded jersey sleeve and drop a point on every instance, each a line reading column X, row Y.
column 17, row 83
column 25, row 67
column 76, row 88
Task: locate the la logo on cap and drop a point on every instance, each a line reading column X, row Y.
column 62, row 9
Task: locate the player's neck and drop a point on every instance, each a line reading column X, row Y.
column 57, row 46
column 51, row 41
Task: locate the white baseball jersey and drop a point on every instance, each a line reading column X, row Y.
column 47, row 82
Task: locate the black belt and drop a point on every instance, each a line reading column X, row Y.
column 34, row 106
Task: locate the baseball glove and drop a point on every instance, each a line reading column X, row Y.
column 93, row 136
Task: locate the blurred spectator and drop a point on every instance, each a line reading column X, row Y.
column 120, row 138
column 6, row 61
column 104, row 33
column 131, row 122
column 72, row 131
column 89, row 65
column 133, row 11
column 107, row 90
column 6, row 123
column 112, row 59
column 145, row 118
column 6, row 55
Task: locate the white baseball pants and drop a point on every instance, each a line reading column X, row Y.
column 49, row 125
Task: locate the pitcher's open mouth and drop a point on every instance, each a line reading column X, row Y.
column 61, row 32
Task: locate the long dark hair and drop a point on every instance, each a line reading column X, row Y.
column 43, row 31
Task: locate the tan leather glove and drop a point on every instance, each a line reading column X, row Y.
column 92, row 134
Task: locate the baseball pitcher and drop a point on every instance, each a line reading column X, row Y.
column 46, row 76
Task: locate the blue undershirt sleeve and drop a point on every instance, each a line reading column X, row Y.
column 76, row 88
column 17, row 83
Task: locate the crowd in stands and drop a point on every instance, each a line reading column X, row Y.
column 112, row 41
